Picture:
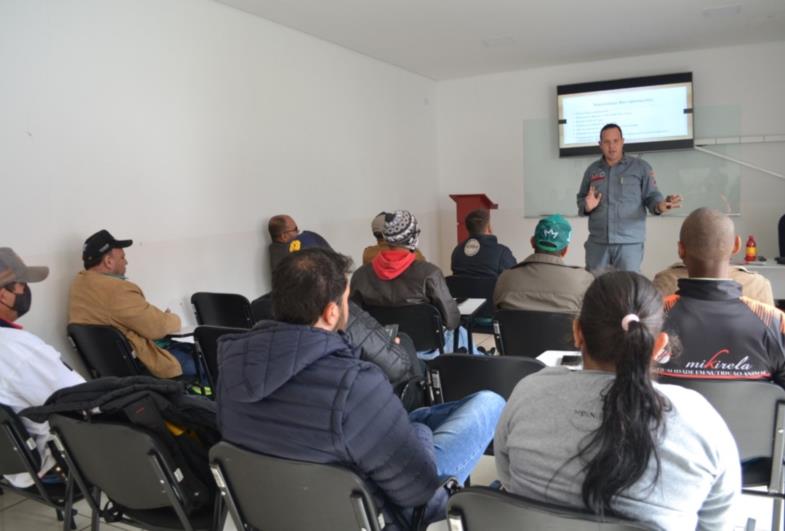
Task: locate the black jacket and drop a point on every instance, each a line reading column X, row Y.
column 481, row 255
column 378, row 347
column 724, row 335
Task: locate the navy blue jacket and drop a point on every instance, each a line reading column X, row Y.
column 302, row 393
column 481, row 255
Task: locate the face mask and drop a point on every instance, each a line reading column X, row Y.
column 22, row 301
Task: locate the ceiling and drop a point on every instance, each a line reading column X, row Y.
column 443, row 39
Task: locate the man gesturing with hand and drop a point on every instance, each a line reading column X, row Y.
column 615, row 193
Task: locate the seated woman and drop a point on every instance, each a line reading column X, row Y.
column 608, row 438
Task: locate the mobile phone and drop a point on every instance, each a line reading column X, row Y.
column 392, row 330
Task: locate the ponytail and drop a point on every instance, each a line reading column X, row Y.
column 619, row 450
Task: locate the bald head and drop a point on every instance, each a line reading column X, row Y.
column 706, row 243
column 282, row 228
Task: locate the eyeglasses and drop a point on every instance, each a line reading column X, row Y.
column 295, row 229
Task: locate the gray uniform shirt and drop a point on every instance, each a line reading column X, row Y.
column 628, row 189
column 550, row 413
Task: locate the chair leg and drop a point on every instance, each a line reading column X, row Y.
column 68, row 512
column 776, row 515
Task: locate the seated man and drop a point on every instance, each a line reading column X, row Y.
column 753, row 285
column 543, row 282
column 723, row 334
column 30, row 370
column 395, row 278
column 102, row 295
column 480, row 255
column 296, row 388
column 377, row 229
column 287, row 238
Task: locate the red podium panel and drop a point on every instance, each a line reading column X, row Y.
column 465, row 203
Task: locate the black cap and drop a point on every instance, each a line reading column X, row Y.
column 97, row 245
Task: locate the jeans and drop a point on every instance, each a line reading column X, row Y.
column 463, row 341
column 461, row 430
column 184, row 352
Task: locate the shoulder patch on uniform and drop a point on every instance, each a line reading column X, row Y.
column 765, row 312
column 670, row 301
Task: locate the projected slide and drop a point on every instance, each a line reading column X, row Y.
column 654, row 113
column 645, row 114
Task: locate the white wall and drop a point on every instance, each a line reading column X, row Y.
column 185, row 124
column 480, row 130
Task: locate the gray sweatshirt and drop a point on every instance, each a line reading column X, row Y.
column 551, row 412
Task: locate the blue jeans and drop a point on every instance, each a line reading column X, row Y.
column 184, row 352
column 463, row 341
column 461, row 430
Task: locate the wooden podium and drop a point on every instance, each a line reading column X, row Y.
column 465, row 203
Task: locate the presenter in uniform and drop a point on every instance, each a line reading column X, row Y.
column 615, row 193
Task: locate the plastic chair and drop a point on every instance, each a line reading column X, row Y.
column 262, row 308
column 530, row 333
column 206, row 341
column 758, row 434
column 482, row 509
column 264, row 492
column 455, row 376
column 422, row 322
column 104, row 350
column 135, row 472
column 19, row 454
column 222, row 309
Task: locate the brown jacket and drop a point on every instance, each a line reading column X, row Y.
column 369, row 253
column 102, row 299
column 544, row 283
column 753, row 285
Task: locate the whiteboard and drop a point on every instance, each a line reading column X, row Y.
column 551, row 183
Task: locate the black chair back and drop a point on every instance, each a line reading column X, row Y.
column 206, row 340
column 104, row 350
column 18, row 451
column 262, row 308
column 264, row 492
column 530, row 333
column 422, row 322
column 482, row 509
column 19, row 454
column 454, row 376
column 781, row 235
column 463, row 287
column 131, row 467
column 222, row 309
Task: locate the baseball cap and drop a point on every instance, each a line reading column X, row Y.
column 97, row 245
column 13, row 269
column 552, row 233
column 377, row 225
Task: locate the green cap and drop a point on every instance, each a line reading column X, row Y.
column 552, row 233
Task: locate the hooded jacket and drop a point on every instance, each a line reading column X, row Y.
column 298, row 392
column 394, row 278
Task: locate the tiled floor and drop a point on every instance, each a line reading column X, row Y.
column 17, row 513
